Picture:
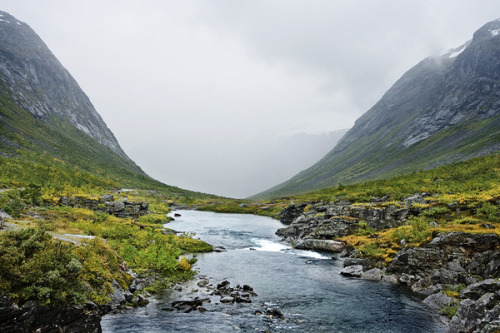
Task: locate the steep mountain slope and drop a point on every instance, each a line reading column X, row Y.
column 45, row 115
column 444, row 109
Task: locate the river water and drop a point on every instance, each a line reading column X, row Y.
column 305, row 286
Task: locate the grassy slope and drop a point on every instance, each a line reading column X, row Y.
column 370, row 159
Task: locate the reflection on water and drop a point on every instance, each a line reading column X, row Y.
column 306, row 286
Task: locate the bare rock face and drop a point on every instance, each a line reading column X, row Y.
column 42, row 86
column 119, row 208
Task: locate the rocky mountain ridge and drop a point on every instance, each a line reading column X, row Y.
column 444, row 109
column 38, row 82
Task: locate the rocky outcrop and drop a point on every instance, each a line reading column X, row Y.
column 450, row 262
column 290, row 213
column 31, row 317
column 319, row 221
column 451, row 258
column 479, row 309
column 105, row 204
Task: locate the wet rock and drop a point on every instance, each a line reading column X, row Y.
column 219, row 249
column 247, row 288
column 202, row 283
column 357, row 261
column 355, row 271
column 274, row 313
column 390, row 279
column 227, row 299
column 177, row 215
column 373, row 274
column 223, row 284
column 187, row 305
column 320, row 245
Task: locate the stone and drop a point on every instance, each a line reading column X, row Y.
column 439, row 300
column 357, row 261
column 487, row 226
column 416, row 198
column 290, row 213
column 476, row 290
column 32, row 317
column 119, row 205
column 467, row 317
column 433, row 224
column 355, row 271
column 108, row 197
column 227, row 299
column 373, row 274
column 274, row 313
column 223, row 284
column 390, row 279
column 320, row 245
column 219, row 249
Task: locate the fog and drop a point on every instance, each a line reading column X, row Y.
column 215, row 96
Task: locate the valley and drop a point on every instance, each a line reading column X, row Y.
column 403, row 213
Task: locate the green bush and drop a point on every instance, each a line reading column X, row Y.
column 449, row 310
column 36, row 267
column 435, row 211
column 371, row 251
column 488, row 212
column 364, row 229
column 420, row 229
column 11, row 203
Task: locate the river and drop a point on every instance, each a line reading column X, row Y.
column 305, row 286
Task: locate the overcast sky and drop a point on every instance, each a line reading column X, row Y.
column 183, row 84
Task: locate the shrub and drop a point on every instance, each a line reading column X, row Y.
column 488, row 212
column 419, row 230
column 449, row 310
column 36, row 267
column 435, row 211
column 364, row 229
column 371, row 251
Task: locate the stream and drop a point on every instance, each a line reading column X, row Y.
column 305, row 286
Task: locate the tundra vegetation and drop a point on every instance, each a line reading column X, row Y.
column 87, row 267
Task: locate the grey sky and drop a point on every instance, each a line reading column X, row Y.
column 185, row 84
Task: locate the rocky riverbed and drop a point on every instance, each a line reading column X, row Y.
column 456, row 272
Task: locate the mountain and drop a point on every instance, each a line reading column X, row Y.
column 45, row 115
column 444, row 109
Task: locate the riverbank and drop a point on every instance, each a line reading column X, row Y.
column 305, row 286
column 413, row 243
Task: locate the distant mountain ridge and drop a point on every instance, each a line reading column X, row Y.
column 444, row 109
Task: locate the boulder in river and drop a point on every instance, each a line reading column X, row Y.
column 354, row 270
column 327, row 245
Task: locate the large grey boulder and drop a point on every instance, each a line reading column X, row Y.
column 320, row 245
column 355, row 271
